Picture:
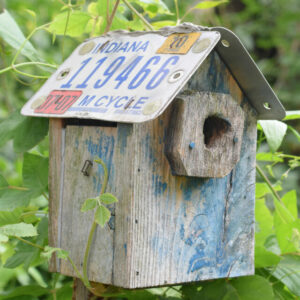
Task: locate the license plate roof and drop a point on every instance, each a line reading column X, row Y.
column 122, row 77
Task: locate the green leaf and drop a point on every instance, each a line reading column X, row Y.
column 48, row 251
column 89, row 204
column 217, row 289
column 253, row 287
column 29, row 133
column 288, row 272
column 42, row 230
column 21, row 230
column 3, row 182
column 11, row 199
column 28, row 290
column 24, row 255
column 3, row 238
column 295, row 132
column 292, row 115
column 153, row 7
column 274, row 132
column 261, row 189
column 290, row 202
column 108, row 198
column 102, row 215
column 35, row 173
column 208, row 4
column 288, row 235
column 160, row 24
column 76, row 25
column 281, row 292
column 264, row 221
column 65, row 292
column 9, row 125
column 268, row 156
column 271, row 244
column 12, row 35
column 10, row 217
column 264, row 258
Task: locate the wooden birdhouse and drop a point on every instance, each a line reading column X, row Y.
column 173, row 115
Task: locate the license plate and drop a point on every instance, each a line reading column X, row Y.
column 123, row 77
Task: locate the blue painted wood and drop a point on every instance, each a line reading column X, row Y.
column 184, row 229
column 167, row 229
column 86, row 143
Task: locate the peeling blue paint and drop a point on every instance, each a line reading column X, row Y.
column 182, row 231
column 159, row 186
column 124, row 131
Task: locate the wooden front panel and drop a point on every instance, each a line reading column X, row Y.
column 184, row 229
column 86, row 143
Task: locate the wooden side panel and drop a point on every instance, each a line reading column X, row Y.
column 125, row 222
column 186, row 228
column 55, row 169
column 86, row 143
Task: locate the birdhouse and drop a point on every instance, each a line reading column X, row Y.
column 173, row 115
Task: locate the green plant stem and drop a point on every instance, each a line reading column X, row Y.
column 289, row 156
column 65, row 30
column 45, row 195
column 184, row 16
column 43, row 249
column 265, row 178
column 13, row 67
column 177, row 11
column 111, row 18
column 29, row 243
column 147, row 24
column 77, row 271
column 93, row 228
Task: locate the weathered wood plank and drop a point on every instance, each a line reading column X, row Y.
column 204, row 134
column 86, row 143
column 124, row 222
column 56, row 135
column 168, row 229
column 186, row 229
column 80, row 292
column 190, row 229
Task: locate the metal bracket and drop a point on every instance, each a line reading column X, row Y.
column 249, row 77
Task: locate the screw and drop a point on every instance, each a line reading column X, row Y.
column 192, row 145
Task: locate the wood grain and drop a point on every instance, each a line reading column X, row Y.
column 184, row 229
column 55, row 169
column 80, row 292
column 204, row 134
column 86, row 143
column 167, row 229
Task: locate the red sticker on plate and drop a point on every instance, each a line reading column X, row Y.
column 58, row 102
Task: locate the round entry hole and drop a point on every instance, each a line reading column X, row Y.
column 214, row 129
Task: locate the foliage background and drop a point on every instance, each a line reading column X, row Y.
column 270, row 30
